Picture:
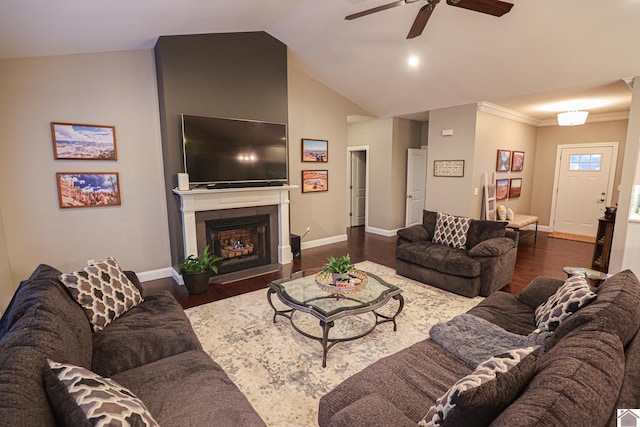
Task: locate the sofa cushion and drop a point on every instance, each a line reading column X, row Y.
column 439, row 257
column 371, row 410
column 103, row 291
column 481, row 230
column 152, row 330
column 201, row 393
column 493, row 247
column 479, row 397
column 574, row 294
column 415, row 233
column 82, row 398
column 451, row 230
column 505, row 310
column 429, row 219
column 576, row 383
column 538, row 291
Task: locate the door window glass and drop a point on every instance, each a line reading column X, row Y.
column 585, row 162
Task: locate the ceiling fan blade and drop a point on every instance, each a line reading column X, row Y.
column 421, row 20
column 490, row 7
column 374, row 10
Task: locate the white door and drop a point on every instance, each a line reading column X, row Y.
column 585, row 181
column 358, row 187
column 416, row 186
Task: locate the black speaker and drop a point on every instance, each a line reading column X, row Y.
column 295, row 246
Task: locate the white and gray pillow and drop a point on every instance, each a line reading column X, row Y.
column 103, row 291
column 451, row 230
column 572, row 295
column 82, row 398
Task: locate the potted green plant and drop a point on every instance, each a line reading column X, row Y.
column 338, row 268
column 196, row 271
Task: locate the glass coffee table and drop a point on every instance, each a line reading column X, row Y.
column 300, row 293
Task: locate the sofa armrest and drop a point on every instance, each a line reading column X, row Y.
column 134, row 279
column 492, row 247
column 371, row 410
column 538, row 291
column 415, row 233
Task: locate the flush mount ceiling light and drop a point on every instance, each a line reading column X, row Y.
column 572, row 118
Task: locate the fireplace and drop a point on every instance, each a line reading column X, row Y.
column 242, row 242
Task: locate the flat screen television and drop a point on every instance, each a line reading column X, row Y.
column 221, row 152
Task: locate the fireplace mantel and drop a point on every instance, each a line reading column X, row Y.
column 193, row 201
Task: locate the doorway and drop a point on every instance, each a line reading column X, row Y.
column 583, row 186
column 358, row 173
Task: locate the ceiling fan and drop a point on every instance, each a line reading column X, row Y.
column 490, row 7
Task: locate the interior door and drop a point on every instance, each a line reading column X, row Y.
column 358, row 188
column 583, row 189
column 416, row 186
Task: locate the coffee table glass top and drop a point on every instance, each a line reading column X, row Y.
column 301, row 290
column 590, row 273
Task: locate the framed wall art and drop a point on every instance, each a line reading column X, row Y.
column 515, row 187
column 83, row 142
column 503, row 163
column 314, row 181
column 449, row 168
column 502, row 189
column 315, row 150
column 88, row 189
column 517, row 161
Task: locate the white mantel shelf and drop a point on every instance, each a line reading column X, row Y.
column 197, row 200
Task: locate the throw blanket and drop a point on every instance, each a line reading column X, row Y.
column 473, row 340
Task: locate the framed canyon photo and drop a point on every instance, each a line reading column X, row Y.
column 314, row 181
column 503, row 163
column 502, row 189
column 517, row 161
column 83, row 142
column 315, row 150
column 515, row 187
column 88, row 189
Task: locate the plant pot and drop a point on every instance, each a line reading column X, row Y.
column 337, row 277
column 196, row 283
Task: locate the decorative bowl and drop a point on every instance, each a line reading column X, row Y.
column 357, row 280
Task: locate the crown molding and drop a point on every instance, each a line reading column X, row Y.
column 497, row 110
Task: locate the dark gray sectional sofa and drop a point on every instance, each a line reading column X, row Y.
column 152, row 350
column 484, row 266
column 590, row 367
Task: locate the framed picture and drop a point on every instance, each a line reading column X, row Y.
column 314, row 181
column 83, row 142
column 88, row 189
column 449, row 168
column 503, row 164
column 517, row 161
column 315, row 150
column 502, row 189
column 515, row 187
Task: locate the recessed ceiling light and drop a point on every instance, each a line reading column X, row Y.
column 414, row 61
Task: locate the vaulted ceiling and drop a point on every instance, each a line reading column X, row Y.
column 541, row 52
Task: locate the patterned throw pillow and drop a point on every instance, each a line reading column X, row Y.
column 81, row 398
column 103, row 291
column 481, row 396
column 574, row 294
column 451, row 230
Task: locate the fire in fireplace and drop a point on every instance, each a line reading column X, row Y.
column 242, row 242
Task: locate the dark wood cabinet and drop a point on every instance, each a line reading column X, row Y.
column 602, row 249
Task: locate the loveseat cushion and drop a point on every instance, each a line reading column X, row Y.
column 439, row 257
column 152, row 330
column 81, row 398
column 492, row 247
column 189, row 389
column 574, row 294
column 505, row 310
column 538, row 291
column 575, row 383
column 371, row 410
column 429, row 219
column 481, row 230
column 415, row 233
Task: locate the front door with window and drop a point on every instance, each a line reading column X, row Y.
column 584, row 182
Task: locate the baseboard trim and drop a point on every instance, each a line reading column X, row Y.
column 161, row 273
column 325, row 241
column 381, row 231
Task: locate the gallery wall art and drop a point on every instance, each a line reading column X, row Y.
column 88, row 189
column 315, row 150
column 314, row 181
column 83, row 142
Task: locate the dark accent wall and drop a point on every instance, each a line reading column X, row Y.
column 233, row 75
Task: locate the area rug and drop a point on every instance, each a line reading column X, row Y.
column 574, row 237
column 280, row 371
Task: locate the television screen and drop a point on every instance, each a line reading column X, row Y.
column 234, row 151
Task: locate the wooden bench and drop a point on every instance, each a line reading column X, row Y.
column 521, row 221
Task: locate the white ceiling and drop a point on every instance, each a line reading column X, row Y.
column 556, row 50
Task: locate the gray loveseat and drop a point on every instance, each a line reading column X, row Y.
column 152, row 350
column 590, row 367
column 483, row 267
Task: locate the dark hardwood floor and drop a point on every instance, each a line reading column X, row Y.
column 545, row 259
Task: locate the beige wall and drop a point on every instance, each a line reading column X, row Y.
column 447, row 194
column 549, row 137
column 317, row 112
column 493, row 133
column 116, row 88
column 406, row 134
column 7, row 285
